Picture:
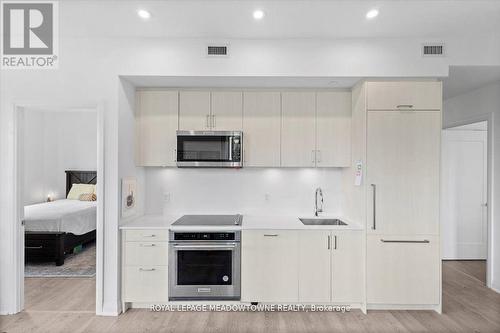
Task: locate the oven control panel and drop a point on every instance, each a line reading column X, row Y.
column 204, row 236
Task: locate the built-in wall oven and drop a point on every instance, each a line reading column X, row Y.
column 216, row 149
column 204, row 265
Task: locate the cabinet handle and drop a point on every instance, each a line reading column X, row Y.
column 335, row 242
column 313, row 156
column 148, row 245
column 147, row 269
column 318, row 156
column 270, row 235
column 149, row 236
column 374, row 226
column 175, row 155
column 404, row 241
column 33, row 247
column 328, row 242
column 409, row 106
column 214, row 121
column 207, row 124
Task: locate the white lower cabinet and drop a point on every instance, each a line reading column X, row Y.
column 309, row 266
column 331, row 266
column 314, row 266
column 269, row 267
column 403, row 270
column 145, row 266
column 145, row 284
column 347, row 267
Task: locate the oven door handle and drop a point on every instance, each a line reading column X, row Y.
column 206, row 246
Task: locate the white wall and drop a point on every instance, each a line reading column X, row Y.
column 465, row 108
column 89, row 75
column 55, row 142
column 245, row 191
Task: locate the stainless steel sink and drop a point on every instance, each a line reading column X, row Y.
column 320, row 221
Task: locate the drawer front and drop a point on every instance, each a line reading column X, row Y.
column 146, row 253
column 146, row 235
column 404, row 96
column 403, row 270
column 145, row 284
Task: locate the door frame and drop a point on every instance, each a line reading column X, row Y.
column 19, row 110
column 489, row 118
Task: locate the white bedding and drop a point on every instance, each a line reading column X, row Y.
column 73, row 216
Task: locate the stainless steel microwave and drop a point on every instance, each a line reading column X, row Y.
column 209, row 149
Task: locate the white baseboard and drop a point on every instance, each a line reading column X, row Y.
column 432, row 307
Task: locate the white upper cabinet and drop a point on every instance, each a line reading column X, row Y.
column 333, row 129
column 227, row 110
column 194, row 110
column 403, row 156
column 404, row 95
column 298, row 135
column 261, row 129
column 156, row 125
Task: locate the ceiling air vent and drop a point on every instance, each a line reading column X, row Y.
column 217, row 51
column 433, row 50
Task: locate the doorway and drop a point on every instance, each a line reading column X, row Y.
column 59, row 187
column 464, row 203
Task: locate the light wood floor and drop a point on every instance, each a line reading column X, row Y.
column 468, row 306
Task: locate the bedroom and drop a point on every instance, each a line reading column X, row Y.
column 60, row 203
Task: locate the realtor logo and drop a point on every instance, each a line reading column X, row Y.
column 29, row 34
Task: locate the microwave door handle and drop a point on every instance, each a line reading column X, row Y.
column 231, row 148
column 206, row 246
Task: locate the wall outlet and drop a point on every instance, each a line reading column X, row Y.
column 267, row 197
column 167, row 197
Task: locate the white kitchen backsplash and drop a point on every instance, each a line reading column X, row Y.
column 246, row 191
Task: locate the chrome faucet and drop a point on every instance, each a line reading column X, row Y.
column 317, row 209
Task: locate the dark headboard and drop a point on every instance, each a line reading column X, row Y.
column 79, row 177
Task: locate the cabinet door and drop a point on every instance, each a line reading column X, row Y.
column 227, row 110
column 145, row 284
column 156, row 125
column 261, row 129
column 403, row 156
column 298, row 136
column 403, row 273
column 269, row 267
column 333, row 129
column 404, row 95
column 347, row 267
column 314, row 266
column 194, row 110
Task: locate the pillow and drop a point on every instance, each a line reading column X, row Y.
column 79, row 189
column 87, row 197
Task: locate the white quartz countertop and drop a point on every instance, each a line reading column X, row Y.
column 250, row 222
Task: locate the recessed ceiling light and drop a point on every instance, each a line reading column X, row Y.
column 258, row 14
column 372, row 14
column 143, row 14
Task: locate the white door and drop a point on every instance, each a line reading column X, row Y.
column 347, row 266
column 269, row 266
column 403, row 157
column 261, row 128
column 314, row 266
column 298, row 131
column 194, row 110
column 333, row 129
column 464, row 194
column 227, row 110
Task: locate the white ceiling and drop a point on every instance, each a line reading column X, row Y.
column 241, row 82
column 466, row 78
column 224, row 19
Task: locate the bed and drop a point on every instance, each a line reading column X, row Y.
column 54, row 229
